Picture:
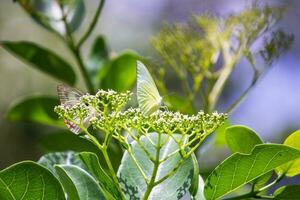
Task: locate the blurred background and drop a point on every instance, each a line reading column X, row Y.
column 271, row 108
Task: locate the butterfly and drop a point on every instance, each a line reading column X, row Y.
column 69, row 97
column 148, row 97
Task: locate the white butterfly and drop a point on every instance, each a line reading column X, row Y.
column 148, row 96
column 69, row 97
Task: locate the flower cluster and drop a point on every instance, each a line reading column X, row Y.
column 106, row 112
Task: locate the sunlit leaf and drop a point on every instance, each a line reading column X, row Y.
column 78, row 184
column 291, row 168
column 241, row 139
column 60, row 158
column 240, row 169
column 38, row 109
column 50, row 14
column 91, row 161
column 132, row 182
column 42, row 59
column 28, row 180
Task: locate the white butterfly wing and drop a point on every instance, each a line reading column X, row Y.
column 148, row 96
column 68, row 97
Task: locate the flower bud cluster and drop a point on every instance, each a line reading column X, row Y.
column 105, row 111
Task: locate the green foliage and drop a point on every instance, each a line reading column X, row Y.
column 167, row 149
column 42, row 59
column 62, row 158
column 28, row 180
column 136, row 175
column 77, row 183
column 119, row 74
column 200, row 192
column 239, row 169
column 290, row 192
column 241, row 139
column 291, row 168
column 107, row 184
column 53, row 14
column 159, row 160
column 36, row 109
column 191, row 52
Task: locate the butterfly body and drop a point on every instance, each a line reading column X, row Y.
column 148, row 97
column 69, row 97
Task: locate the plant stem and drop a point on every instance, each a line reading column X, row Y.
column 92, row 25
column 83, row 71
column 151, row 184
column 112, row 171
column 76, row 53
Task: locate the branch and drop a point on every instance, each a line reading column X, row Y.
column 92, row 25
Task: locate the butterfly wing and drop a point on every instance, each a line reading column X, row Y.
column 148, row 96
column 69, row 97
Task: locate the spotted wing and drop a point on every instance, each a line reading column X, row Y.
column 148, row 96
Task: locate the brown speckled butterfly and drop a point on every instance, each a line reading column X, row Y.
column 69, row 97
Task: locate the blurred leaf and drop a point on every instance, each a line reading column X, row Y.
column 133, row 183
column 290, row 192
column 66, row 141
column 42, row 59
column 178, row 103
column 97, row 59
column 240, row 169
column 291, row 168
column 78, row 184
column 91, row 161
column 50, row 14
column 38, row 109
column 60, row 158
column 278, row 44
column 241, row 139
column 120, row 73
column 28, row 180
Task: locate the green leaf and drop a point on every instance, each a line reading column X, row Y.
column 195, row 180
column 262, row 180
column 120, row 73
column 290, row 192
column 220, row 140
column 240, row 169
column 97, row 59
column 241, row 139
column 42, row 59
column 178, row 103
column 91, row 161
column 291, row 168
column 69, row 142
column 60, row 158
column 28, row 180
column 50, row 13
column 200, row 192
column 78, row 184
column 38, row 109
column 134, row 185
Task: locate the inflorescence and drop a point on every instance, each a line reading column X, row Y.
column 106, row 111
